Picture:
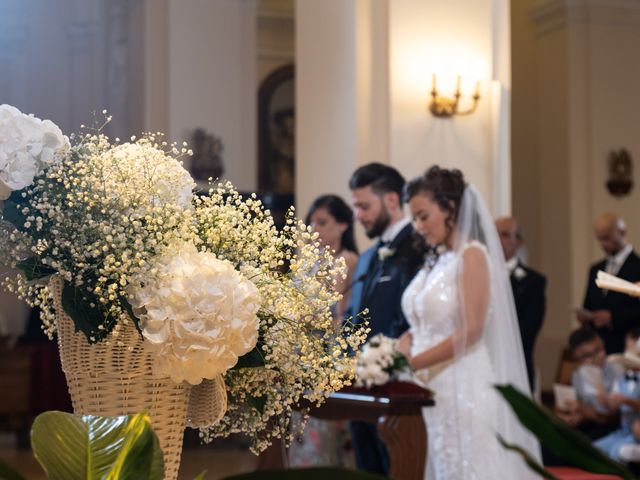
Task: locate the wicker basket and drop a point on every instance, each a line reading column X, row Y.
column 115, row 377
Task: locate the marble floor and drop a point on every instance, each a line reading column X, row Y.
column 218, row 461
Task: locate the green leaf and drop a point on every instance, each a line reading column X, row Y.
column 257, row 402
column 11, row 210
column 316, row 473
column 140, row 455
column 253, row 359
column 8, row 473
column 73, row 447
column 561, row 439
column 201, row 475
column 85, row 310
column 529, row 460
column 33, row 269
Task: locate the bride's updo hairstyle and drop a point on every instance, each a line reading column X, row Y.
column 444, row 187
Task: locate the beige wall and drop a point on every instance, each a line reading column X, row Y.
column 419, row 32
column 575, row 96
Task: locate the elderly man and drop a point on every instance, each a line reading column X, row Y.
column 528, row 289
column 612, row 314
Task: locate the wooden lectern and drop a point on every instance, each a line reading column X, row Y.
column 397, row 410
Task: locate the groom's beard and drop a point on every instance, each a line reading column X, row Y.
column 380, row 225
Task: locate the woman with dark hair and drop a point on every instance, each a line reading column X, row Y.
column 463, row 335
column 332, row 219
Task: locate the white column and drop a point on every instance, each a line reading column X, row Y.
column 342, row 93
column 212, row 78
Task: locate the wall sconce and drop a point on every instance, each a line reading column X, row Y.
column 445, row 107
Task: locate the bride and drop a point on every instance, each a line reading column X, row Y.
column 463, row 335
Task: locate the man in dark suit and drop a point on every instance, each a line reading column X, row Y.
column 528, row 290
column 381, row 275
column 612, row 314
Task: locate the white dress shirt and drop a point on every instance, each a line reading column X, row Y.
column 615, row 262
column 392, row 231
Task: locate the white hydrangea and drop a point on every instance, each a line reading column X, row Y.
column 28, row 146
column 199, row 314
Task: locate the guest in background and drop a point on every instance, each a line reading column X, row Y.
column 528, row 290
column 625, row 398
column 612, row 314
column 332, row 219
column 590, row 414
column 323, row 442
column 381, row 275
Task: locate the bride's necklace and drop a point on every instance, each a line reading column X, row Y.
column 433, row 255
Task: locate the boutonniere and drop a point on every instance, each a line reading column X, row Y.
column 385, row 252
column 519, row 273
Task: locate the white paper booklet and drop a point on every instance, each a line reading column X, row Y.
column 564, row 394
column 607, row 281
column 592, row 380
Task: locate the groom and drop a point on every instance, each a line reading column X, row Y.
column 381, row 275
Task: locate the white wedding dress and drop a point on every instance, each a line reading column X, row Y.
column 461, row 426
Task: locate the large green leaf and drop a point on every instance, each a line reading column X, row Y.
column 316, row 473
column 8, row 473
column 72, row 447
column 528, row 459
column 564, row 441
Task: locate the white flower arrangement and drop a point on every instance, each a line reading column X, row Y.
column 209, row 280
column 379, row 362
column 27, row 146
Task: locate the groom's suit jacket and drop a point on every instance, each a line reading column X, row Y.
column 625, row 310
column 378, row 284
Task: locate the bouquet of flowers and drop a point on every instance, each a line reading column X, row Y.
column 209, row 282
column 380, row 362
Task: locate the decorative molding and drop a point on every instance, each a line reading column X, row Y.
column 276, row 54
column 275, row 13
column 551, row 15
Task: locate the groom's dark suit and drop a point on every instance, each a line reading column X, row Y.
column 625, row 310
column 378, row 285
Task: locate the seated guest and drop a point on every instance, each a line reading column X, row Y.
column 593, row 380
column 528, row 290
column 625, row 398
column 612, row 314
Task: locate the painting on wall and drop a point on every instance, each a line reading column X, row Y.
column 206, row 161
column 276, row 133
